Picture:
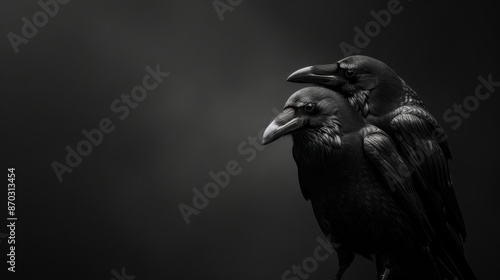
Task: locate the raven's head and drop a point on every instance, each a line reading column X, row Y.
column 314, row 116
column 369, row 84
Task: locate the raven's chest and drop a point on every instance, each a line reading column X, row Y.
column 358, row 210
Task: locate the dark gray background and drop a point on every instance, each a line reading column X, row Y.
column 119, row 207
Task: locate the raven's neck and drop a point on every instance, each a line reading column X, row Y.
column 360, row 102
column 411, row 98
column 317, row 147
column 385, row 98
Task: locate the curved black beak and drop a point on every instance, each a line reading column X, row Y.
column 283, row 124
column 320, row 74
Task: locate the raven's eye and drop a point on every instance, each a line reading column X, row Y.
column 349, row 73
column 309, row 107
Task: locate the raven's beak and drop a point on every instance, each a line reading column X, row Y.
column 320, row 74
column 283, row 124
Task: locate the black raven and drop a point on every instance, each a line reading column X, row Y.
column 351, row 172
column 388, row 102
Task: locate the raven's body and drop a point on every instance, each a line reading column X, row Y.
column 349, row 170
column 383, row 99
column 358, row 213
column 351, row 200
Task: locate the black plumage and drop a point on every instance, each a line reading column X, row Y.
column 386, row 101
column 350, row 170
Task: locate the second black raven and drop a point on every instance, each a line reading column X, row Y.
column 350, row 171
